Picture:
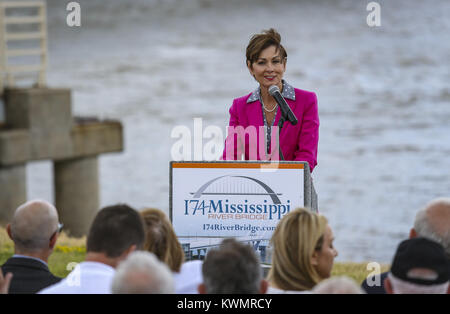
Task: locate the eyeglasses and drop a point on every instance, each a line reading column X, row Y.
column 60, row 226
column 58, row 230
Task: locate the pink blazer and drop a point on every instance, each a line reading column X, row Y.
column 298, row 142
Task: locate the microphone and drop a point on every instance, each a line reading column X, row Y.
column 274, row 91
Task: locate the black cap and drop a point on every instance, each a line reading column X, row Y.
column 416, row 255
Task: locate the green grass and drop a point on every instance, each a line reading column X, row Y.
column 72, row 250
column 356, row 271
column 68, row 250
column 59, row 262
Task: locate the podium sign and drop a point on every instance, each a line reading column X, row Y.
column 234, row 199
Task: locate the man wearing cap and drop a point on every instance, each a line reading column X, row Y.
column 419, row 266
column 431, row 222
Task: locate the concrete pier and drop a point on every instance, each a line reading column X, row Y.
column 46, row 114
column 39, row 125
column 13, row 190
column 76, row 192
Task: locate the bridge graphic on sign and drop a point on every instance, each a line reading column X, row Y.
column 236, row 185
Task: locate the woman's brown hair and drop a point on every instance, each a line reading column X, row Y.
column 259, row 42
column 161, row 239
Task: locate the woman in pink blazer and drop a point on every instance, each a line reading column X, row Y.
column 254, row 117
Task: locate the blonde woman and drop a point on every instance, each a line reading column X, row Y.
column 303, row 252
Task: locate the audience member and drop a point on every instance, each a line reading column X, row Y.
column 161, row 239
column 34, row 230
column 142, row 273
column 233, row 268
column 188, row 279
column 338, row 285
column 419, row 266
column 115, row 232
column 163, row 242
column 302, row 258
column 5, row 282
column 431, row 222
column 303, row 252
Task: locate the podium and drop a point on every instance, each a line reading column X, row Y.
column 239, row 199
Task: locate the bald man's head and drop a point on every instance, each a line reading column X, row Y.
column 433, row 222
column 33, row 225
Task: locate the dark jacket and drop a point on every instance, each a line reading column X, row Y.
column 29, row 275
column 375, row 289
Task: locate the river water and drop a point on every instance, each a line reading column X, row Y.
column 384, row 97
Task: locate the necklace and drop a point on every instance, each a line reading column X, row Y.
column 271, row 110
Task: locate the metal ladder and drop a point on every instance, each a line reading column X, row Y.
column 9, row 72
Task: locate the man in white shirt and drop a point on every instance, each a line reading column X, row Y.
column 115, row 232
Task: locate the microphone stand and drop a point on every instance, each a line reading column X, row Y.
column 280, row 126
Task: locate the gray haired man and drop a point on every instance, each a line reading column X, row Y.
column 34, row 230
column 233, row 268
column 142, row 273
column 431, row 222
column 419, row 266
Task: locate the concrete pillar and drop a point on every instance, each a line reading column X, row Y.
column 13, row 190
column 77, row 193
